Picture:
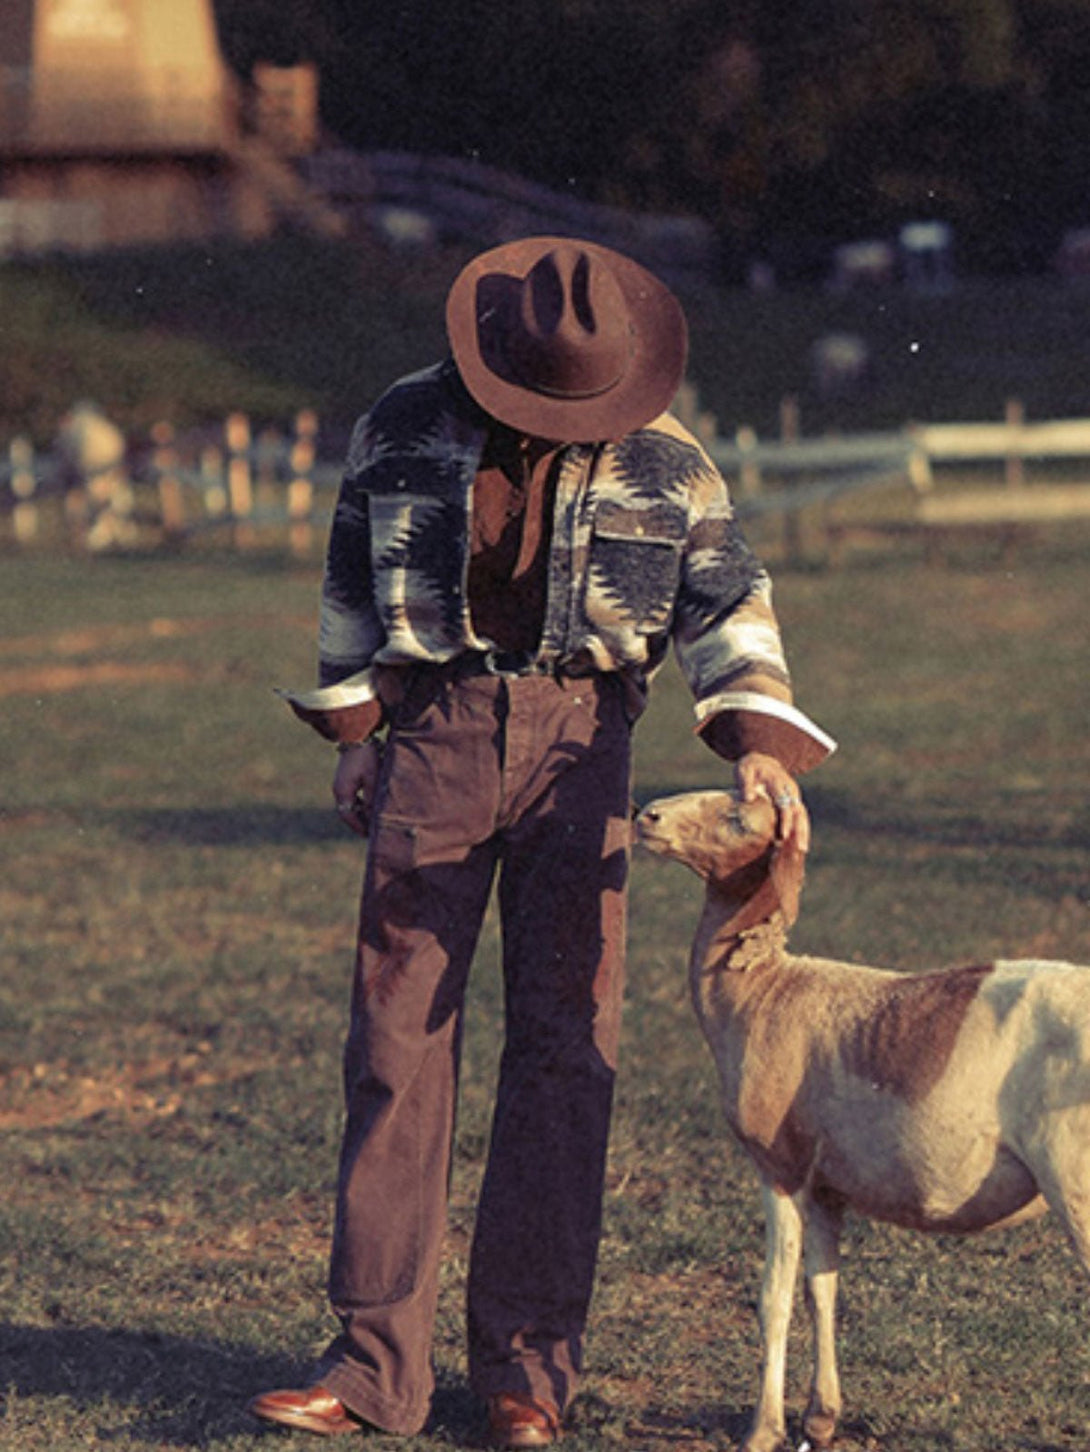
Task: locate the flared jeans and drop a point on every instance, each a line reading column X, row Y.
column 523, row 782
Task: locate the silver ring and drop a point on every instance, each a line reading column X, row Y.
column 786, row 799
column 345, row 807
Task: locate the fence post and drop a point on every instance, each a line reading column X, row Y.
column 919, row 469
column 240, row 487
column 213, row 489
column 24, row 485
column 685, row 404
column 268, row 453
column 1015, row 470
column 304, row 452
column 707, row 427
column 164, row 461
column 749, row 472
column 789, row 419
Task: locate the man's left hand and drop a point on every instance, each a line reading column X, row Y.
column 758, row 775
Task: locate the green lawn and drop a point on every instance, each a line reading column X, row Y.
column 177, row 908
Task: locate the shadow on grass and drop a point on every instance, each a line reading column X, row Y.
column 950, row 823
column 248, row 826
column 184, row 1392
column 231, row 826
column 661, row 1427
column 1005, row 825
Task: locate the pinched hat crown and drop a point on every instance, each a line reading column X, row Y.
column 571, row 337
column 566, row 339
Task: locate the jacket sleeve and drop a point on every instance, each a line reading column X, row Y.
column 345, row 706
column 728, row 643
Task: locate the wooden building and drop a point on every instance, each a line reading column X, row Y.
column 121, row 123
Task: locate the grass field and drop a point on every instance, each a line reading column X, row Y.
column 177, row 906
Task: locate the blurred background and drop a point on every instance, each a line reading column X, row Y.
column 225, row 225
column 877, row 208
column 785, row 131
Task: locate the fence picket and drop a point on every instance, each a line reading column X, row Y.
column 273, row 486
column 168, row 486
column 240, row 486
column 304, row 456
column 24, row 486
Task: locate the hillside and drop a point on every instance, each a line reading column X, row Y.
column 190, row 333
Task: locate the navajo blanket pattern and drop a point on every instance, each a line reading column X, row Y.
column 645, row 552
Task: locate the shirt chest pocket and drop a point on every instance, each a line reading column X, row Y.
column 635, row 563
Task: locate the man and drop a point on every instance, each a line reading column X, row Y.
column 521, row 533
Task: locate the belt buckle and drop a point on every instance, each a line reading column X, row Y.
column 507, row 662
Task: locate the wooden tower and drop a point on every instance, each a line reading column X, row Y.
column 120, row 123
column 109, row 75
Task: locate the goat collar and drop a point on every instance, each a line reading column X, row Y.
column 729, row 951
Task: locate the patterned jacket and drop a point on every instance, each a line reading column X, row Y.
column 645, row 550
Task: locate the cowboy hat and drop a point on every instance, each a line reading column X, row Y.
column 566, row 339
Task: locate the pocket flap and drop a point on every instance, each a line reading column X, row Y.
column 654, row 523
column 394, row 843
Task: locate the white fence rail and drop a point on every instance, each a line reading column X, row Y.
column 990, row 462
column 918, row 447
column 956, row 442
column 255, row 487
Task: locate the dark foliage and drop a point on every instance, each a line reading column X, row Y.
column 831, row 120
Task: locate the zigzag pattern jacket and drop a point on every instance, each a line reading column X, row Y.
column 645, row 552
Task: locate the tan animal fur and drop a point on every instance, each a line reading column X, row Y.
column 941, row 1101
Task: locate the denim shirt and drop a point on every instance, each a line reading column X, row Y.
column 645, row 551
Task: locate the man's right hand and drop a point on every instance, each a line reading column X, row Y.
column 354, row 784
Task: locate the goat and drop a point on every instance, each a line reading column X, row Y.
column 945, row 1101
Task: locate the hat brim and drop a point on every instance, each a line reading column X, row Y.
column 648, row 385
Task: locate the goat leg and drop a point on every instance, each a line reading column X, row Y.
column 783, row 1248
column 821, row 1262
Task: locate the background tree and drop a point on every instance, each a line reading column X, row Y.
column 802, row 124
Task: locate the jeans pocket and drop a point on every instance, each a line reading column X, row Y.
column 395, row 844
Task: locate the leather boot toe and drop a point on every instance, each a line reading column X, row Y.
column 312, row 1410
column 516, row 1419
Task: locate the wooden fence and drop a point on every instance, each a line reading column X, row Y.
column 250, row 486
column 953, row 479
column 259, row 487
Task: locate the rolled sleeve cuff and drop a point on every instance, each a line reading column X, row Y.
column 347, row 711
column 736, row 722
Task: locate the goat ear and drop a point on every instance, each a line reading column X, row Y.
column 788, row 868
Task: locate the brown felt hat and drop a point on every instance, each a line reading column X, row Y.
column 565, row 339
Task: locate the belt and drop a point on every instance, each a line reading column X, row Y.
column 503, row 663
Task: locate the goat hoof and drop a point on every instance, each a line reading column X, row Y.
column 766, row 1443
column 820, row 1430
